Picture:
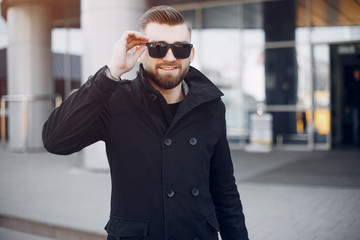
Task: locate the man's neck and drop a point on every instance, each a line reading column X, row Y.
column 171, row 96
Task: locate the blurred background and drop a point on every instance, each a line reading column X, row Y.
column 296, row 61
column 289, row 69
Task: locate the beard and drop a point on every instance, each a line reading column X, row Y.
column 166, row 80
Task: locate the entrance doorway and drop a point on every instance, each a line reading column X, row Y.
column 345, row 97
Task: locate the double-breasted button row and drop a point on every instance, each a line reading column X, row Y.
column 192, row 141
column 170, row 192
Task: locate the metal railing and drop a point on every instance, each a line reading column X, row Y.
column 25, row 101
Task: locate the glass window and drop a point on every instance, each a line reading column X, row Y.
column 190, row 16
column 253, row 15
column 335, row 34
column 218, row 52
column 321, row 69
column 252, row 71
column 274, row 52
column 221, row 17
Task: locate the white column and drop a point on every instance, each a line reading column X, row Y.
column 30, row 84
column 103, row 23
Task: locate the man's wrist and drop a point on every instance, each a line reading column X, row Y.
column 110, row 75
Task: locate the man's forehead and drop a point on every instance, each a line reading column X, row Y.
column 167, row 33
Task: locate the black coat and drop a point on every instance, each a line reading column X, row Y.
column 172, row 177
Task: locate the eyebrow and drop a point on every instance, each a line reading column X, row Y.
column 183, row 42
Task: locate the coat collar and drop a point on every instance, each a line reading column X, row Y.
column 201, row 88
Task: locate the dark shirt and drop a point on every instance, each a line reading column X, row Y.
column 174, row 107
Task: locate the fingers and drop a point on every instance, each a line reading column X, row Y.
column 136, row 36
column 132, row 58
column 133, row 39
column 122, row 61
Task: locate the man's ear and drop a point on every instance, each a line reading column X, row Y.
column 192, row 55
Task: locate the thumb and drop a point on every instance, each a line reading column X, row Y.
column 138, row 51
column 132, row 58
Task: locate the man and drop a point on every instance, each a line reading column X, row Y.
column 165, row 135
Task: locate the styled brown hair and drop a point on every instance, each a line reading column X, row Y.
column 162, row 15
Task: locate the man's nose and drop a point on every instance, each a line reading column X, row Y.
column 169, row 57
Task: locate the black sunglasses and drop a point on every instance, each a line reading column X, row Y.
column 160, row 49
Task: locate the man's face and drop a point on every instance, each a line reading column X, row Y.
column 166, row 72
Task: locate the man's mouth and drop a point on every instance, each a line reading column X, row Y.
column 168, row 67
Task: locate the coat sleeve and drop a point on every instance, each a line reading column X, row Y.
column 81, row 119
column 224, row 192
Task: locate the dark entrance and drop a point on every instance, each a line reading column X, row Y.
column 345, row 82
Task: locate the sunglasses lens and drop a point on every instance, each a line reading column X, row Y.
column 157, row 50
column 160, row 49
column 182, row 51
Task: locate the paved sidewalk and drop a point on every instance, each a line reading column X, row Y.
column 286, row 195
column 10, row 234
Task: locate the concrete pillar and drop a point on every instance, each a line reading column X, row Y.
column 103, row 23
column 30, row 85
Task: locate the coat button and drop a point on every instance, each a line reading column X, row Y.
column 193, row 141
column 153, row 97
column 168, row 142
column 90, row 77
column 170, row 193
column 88, row 84
column 195, row 191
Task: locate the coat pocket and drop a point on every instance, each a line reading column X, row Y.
column 124, row 228
column 213, row 223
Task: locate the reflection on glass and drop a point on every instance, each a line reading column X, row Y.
column 230, row 44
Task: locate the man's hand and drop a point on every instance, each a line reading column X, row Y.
column 121, row 61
